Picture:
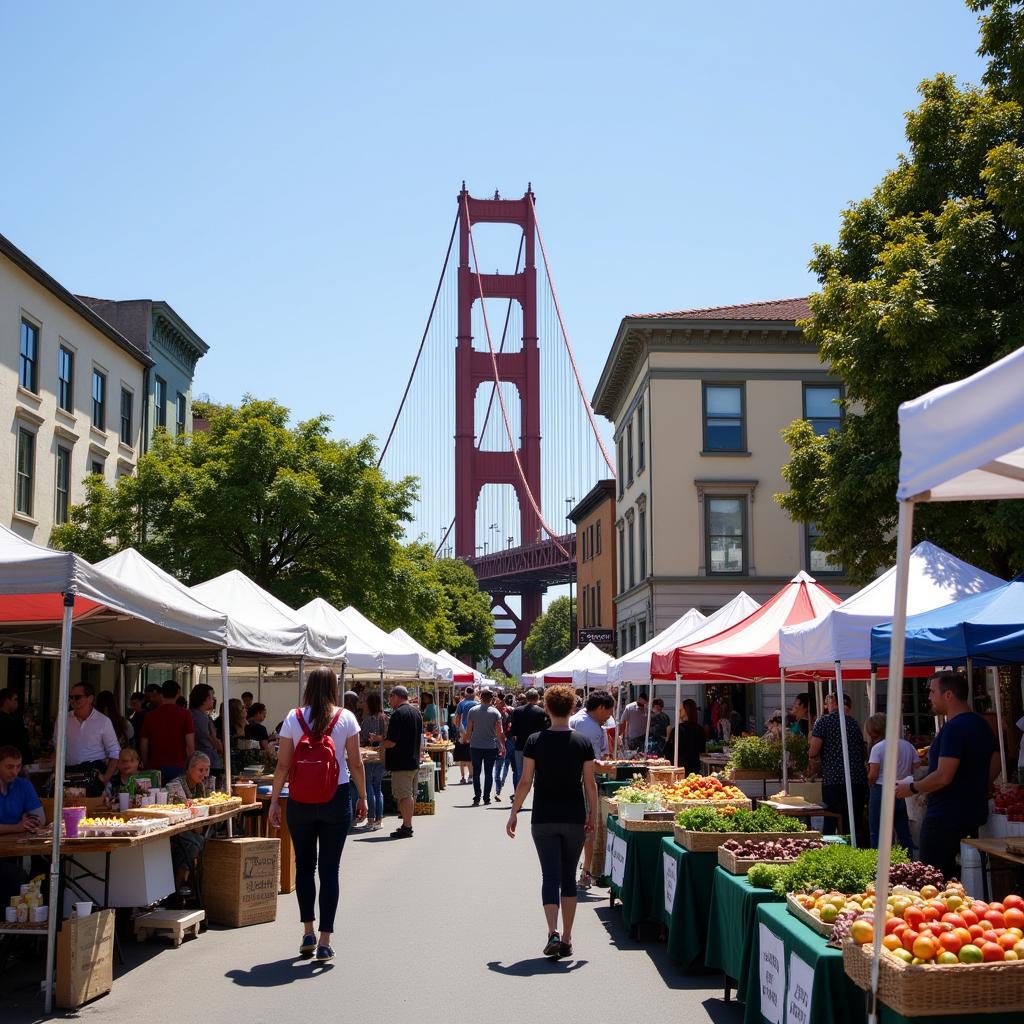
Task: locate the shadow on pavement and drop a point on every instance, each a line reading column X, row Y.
column 280, row 972
column 537, row 965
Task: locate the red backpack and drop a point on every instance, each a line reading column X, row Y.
column 314, row 772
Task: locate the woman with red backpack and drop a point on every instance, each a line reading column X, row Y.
column 319, row 756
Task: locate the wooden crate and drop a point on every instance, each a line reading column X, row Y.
column 709, row 842
column 85, row 959
column 423, row 807
column 728, row 860
column 740, row 803
column 241, row 878
column 812, row 922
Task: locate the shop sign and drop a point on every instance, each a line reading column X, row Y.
column 798, row 994
column 670, row 866
column 773, row 975
column 619, row 862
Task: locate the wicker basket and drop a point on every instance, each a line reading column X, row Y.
column 423, row 808
column 812, row 922
column 728, row 860
column 708, row 842
column 718, row 805
column 666, row 827
column 925, row 990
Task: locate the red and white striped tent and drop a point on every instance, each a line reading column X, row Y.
column 748, row 652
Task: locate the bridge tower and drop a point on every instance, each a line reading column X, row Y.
column 474, row 467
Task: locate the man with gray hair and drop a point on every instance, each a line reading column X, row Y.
column 486, row 739
column 402, row 756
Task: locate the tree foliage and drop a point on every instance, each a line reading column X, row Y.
column 925, row 285
column 551, row 636
column 302, row 514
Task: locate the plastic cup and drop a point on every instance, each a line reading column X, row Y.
column 123, row 800
column 11, row 915
column 72, row 818
column 83, row 909
column 161, row 796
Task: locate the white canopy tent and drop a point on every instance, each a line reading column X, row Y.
column 398, row 655
column 961, row 442
column 54, row 599
column 360, row 654
column 573, row 669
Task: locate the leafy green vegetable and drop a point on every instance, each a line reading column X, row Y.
column 763, row 876
column 833, row 867
column 764, row 819
column 757, row 754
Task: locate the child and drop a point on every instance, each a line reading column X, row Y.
column 127, row 766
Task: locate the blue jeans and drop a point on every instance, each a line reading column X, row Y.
column 374, row 790
column 503, row 764
column 901, row 823
column 482, row 759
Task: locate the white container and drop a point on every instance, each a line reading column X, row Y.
column 970, row 869
column 11, row 915
column 632, row 812
column 123, row 801
column 40, row 915
column 83, row 908
column 161, row 796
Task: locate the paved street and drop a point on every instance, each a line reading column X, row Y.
column 436, row 929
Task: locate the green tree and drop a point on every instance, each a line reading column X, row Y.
column 551, row 636
column 925, row 285
column 301, row 514
column 469, row 610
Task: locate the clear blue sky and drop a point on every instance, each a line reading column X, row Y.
column 285, row 175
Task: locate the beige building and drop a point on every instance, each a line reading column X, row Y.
column 698, row 399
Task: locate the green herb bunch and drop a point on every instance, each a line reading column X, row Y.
column 834, row 867
column 764, row 819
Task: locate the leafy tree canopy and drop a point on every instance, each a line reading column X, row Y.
column 550, row 637
column 925, row 285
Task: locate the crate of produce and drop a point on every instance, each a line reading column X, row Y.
column 424, row 807
column 739, row 863
column 85, row 959
column 241, row 878
column 709, row 842
column 926, row 990
column 685, row 805
column 814, row 923
column 665, row 826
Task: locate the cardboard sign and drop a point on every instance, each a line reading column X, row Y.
column 670, row 865
column 618, row 861
column 798, row 993
column 773, row 975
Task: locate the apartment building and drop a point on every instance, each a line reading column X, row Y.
column 594, row 517
column 698, row 399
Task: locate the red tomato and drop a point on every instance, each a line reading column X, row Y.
column 963, row 935
column 970, row 916
column 976, row 931
column 992, row 952
column 909, row 937
column 1014, row 917
column 951, row 942
column 893, row 924
column 956, row 920
column 914, row 916
column 1015, row 902
column 995, row 918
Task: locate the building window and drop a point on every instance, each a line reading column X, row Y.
column 99, row 400
column 629, row 453
column 632, row 637
column 821, row 407
column 599, row 602
column 65, row 379
column 632, row 554
column 643, row 544
column 622, row 479
column 28, row 366
column 126, row 417
column 597, row 536
column 180, row 408
column 726, row 531
column 622, row 564
column 723, row 418
column 640, row 452
column 26, row 471
column 623, row 641
column 590, row 541
column 593, row 606
column 819, row 563
column 642, row 631
column 96, row 467
column 160, row 401
column 583, row 603
column 63, row 487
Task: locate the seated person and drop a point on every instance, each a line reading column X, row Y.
column 187, row 846
column 20, row 811
column 127, row 765
column 255, row 729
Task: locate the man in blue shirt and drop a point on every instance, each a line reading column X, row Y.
column 20, row 807
column 962, row 764
column 462, row 754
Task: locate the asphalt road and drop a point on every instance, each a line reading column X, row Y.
column 444, row 927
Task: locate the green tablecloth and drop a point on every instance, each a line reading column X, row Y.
column 685, row 911
column 637, row 890
column 608, row 788
column 733, row 925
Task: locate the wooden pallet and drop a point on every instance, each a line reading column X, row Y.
column 178, row 924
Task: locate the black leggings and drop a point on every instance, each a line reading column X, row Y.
column 318, row 834
column 559, row 846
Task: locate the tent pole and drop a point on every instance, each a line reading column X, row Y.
column 60, row 763
column 382, row 689
column 785, row 751
column 873, row 695
column 650, row 702
column 675, row 731
column 844, row 740
column 970, row 682
column 227, row 737
column 893, row 729
column 997, row 698
column 302, row 676
column 819, row 698
column 259, row 682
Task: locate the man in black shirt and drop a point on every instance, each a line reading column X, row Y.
column 526, row 720
column 12, row 726
column 402, row 756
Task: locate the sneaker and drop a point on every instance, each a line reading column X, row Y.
column 554, row 942
column 463, row 782
column 476, row 801
column 487, row 800
column 323, row 953
column 402, row 832
column 308, row 947
column 565, row 949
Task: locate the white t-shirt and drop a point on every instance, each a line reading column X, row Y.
column 906, row 759
column 347, row 725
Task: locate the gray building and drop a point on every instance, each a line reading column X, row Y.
column 174, row 347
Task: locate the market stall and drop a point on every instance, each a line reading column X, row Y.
column 682, row 898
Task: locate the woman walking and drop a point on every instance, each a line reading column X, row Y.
column 374, row 729
column 319, row 775
column 564, row 811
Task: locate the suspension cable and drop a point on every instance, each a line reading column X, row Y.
column 501, row 398
column 565, row 336
column 423, row 341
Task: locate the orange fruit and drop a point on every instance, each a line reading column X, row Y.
column 926, row 947
column 1007, row 941
column 1014, row 917
column 892, row 942
column 908, row 938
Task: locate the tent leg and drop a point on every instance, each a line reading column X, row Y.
column 382, row 688
column 819, row 698
column 893, row 728
column 64, row 688
column 650, row 701
column 259, row 683
column 675, row 731
column 873, row 692
column 227, row 738
column 785, row 751
column 302, row 677
column 844, row 739
column 997, row 699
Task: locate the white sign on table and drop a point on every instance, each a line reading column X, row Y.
column 670, row 866
column 798, row 994
column 618, row 861
column 773, row 975
column 609, row 844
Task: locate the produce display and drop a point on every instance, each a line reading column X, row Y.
column 759, row 754
column 702, row 787
column 737, row 819
column 770, row 849
column 1009, row 800
column 832, row 870
column 108, row 827
column 916, row 875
